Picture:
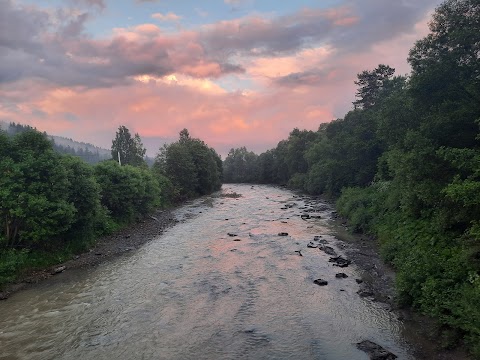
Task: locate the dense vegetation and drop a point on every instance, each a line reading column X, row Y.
column 404, row 165
column 54, row 205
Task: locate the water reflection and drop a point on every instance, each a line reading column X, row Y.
column 198, row 293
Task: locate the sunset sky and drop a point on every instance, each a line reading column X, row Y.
column 234, row 72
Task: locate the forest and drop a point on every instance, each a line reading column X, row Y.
column 53, row 205
column 404, row 167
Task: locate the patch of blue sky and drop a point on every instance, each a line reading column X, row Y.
column 194, row 14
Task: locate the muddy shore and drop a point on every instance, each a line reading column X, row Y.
column 105, row 248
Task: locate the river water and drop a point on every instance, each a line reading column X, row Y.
column 196, row 292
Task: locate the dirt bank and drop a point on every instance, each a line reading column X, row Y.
column 106, row 248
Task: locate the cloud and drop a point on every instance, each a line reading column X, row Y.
column 295, row 70
column 54, row 47
column 37, row 44
column 99, row 3
column 170, row 16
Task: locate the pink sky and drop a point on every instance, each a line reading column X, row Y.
column 243, row 81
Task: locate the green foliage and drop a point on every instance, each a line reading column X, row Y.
column 11, row 262
column 84, row 193
column 371, row 84
column 126, row 191
column 34, row 204
column 188, row 168
column 240, row 166
column 128, row 150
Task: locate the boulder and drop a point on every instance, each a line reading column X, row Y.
column 375, row 351
column 58, row 270
column 328, row 250
column 365, row 292
column 320, row 282
column 340, row 261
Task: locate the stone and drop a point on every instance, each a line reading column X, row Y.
column 341, row 276
column 58, row 270
column 320, row 282
column 282, row 234
column 311, row 245
column 231, row 234
column 328, row 250
column 340, row 261
column 375, row 351
column 365, row 291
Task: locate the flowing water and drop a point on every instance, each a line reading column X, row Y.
column 196, row 292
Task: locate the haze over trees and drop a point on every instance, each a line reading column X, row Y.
column 404, row 167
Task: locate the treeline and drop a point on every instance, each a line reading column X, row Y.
column 404, row 165
column 54, row 205
column 83, row 152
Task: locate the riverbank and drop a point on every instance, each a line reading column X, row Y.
column 379, row 284
column 106, row 248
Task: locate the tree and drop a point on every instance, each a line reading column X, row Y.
column 84, row 193
column 191, row 167
column 445, row 81
column 126, row 191
column 371, row 84
column 34, row 205
column 128, row 150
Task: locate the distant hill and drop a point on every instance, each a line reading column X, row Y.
column 77, row 145
column 88, row 152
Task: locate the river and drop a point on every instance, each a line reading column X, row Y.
column 196, row 292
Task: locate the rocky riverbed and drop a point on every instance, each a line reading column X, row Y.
column 235, row 270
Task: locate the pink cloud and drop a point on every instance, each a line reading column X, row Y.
column 157, row 83
column 170, row 16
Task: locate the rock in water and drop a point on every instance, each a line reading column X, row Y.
column 320, row 282
column 340, row 261
column 328, row 250
column 375, row 351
